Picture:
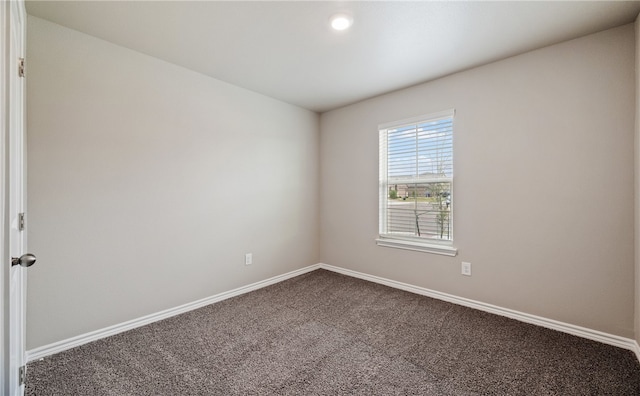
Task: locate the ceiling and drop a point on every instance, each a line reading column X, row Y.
column 286, row 50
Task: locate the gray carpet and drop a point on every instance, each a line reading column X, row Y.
column 327, row 334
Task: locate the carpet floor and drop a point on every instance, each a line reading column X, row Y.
column 323, row 333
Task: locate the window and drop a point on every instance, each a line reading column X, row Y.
column 416, row 184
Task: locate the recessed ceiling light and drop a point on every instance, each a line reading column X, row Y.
column 341, row 21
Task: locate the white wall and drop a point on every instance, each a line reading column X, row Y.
column 544, row 179
column 148, row 183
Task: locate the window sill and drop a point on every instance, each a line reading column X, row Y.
column 418, row 246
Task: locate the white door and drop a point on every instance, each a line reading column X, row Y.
column 17, row 196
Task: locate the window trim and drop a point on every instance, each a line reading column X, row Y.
column 445, row 249
column 442, row 247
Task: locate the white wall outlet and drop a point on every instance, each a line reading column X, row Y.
column 248, row 259
column 466, row 268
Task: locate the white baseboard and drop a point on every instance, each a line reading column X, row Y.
column 636, row 349
column 50, row 349
column 583, row 332
column 579, row 331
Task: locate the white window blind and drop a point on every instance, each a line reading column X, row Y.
column 416, row 179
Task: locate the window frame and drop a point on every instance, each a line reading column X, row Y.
column 393, row 240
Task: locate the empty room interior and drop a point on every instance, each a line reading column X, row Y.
column 230, row 198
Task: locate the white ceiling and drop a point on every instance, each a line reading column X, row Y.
column 287, row 50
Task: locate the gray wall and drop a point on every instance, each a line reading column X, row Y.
column 544, row 176
column 148, row 183
column 637, row 181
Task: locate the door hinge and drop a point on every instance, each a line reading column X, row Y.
column 22, row 375
column 20, row 221
column 21, row 67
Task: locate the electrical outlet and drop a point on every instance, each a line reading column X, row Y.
column 466, row 269
column 248, row 259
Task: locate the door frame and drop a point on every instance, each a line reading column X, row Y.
column 11, row 350
column 4, row 197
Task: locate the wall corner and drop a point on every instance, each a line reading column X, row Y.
column 637, row 182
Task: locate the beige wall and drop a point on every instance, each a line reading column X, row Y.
column 148, row 183
column 544, row 179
